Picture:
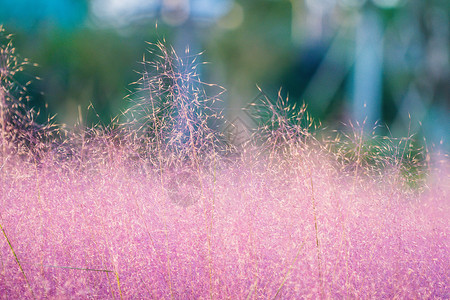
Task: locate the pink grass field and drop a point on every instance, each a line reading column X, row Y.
column 170, row 212
column 251, row 234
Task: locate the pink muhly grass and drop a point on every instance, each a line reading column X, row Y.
column 151, row 209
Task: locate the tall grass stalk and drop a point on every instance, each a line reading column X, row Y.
column 289, row 270
column 316, row 229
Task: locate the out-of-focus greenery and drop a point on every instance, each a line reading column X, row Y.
column 83, row 67
column 305, row 47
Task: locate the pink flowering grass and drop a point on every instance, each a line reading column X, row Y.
column 149, row 209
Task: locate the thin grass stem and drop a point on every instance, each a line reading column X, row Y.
column 17, row 260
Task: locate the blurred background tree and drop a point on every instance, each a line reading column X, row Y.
column 347, row 59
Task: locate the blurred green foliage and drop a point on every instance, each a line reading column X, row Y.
column 81, row 67
column 272, row 43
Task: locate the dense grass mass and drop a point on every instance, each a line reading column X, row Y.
column 159, row 204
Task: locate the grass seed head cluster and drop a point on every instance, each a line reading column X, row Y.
column 159, row 205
